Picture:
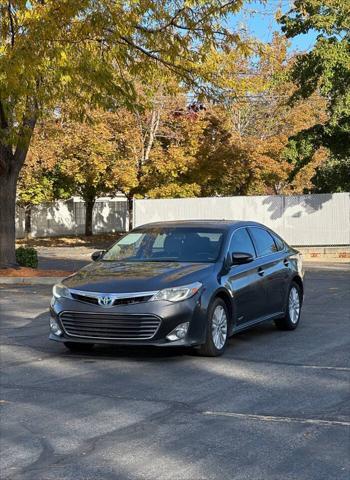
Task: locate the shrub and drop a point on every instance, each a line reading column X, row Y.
column 27, row 257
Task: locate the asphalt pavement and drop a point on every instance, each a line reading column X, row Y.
column 276, row 406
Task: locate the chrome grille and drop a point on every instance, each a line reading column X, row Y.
column 109, row 326
column 85, row 298
column 118, row 299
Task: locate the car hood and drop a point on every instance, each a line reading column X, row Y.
column 127, row 277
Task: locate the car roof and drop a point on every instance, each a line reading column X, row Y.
column 220, row 223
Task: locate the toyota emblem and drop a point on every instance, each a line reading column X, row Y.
column 105, row 301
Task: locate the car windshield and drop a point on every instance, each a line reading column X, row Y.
column 171, row 244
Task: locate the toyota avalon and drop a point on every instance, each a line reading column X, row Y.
column 185, row 283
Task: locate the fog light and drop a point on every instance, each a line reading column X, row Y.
column 55, row 328
column 179, row 332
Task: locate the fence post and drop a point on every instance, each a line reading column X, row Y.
column 133, row 211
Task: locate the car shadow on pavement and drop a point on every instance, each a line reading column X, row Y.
column 40, row 342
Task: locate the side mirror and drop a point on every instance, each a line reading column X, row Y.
column 97, row 255
column 239, row 258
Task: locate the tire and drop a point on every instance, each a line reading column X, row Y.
column 294, row 302
column 217, row 330
column 79, row 347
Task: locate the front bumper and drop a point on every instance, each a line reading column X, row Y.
column 170, row 316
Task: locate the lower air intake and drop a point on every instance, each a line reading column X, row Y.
column 109, row 326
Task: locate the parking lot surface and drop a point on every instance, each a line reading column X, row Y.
column 276, row 406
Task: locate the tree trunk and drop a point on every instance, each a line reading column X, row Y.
column 89, row 206
column 11, row 162
column 8, row 219
column 130, row 202
column 28, row 221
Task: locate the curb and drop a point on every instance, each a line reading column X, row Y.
column 343, row 267
column 30, row 280
column 324, row 259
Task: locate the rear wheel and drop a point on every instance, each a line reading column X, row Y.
column 78, row 347
column 291, row 319
column 217, row 330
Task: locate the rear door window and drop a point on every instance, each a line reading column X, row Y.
column 278, row 241
column 263, row 241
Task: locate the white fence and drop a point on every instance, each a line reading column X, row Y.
column 314, row 220
column 305, row 220
column 68, row 218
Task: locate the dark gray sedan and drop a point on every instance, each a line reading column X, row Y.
column 186, row 283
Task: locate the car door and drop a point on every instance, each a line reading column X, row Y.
column 271, row 268
column 244, row 282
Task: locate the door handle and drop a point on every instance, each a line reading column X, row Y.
column 286, row 262
column 261, row 271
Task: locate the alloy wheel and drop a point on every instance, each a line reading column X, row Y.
column 294, row 305
column 219, row 327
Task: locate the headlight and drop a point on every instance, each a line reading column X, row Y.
column 60, row 290
column 176, row 294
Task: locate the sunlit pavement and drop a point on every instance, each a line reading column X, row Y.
column 275, row 407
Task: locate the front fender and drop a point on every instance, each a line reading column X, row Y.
column 221, row 292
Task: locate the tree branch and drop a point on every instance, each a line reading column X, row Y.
column 3, row 119
column 163, row 27
column 6, row 154
column 12, row 26
column 25, row 134
column 154, row 125
column 186, row 73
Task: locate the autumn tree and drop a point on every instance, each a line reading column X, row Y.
column 155, row 148
column 325, row 71
column 172, row 159
column 91, row 52
column 135, row 133
column 223, row 164
column 85, row 160
column 243, row 147
column 38, row 181
column 34, row 188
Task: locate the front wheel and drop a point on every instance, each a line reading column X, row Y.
column 217, row 328
column 292, row 317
